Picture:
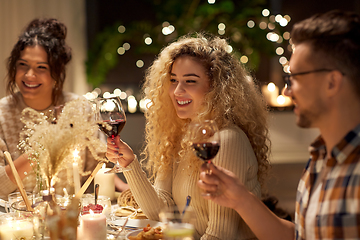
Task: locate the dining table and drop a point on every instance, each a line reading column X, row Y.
column 114, row 223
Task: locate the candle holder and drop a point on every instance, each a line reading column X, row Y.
column 16, row 225
column 54, row 216
column 92, row 226
column 103, row 205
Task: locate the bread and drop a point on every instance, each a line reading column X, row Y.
column 125, row 212
column 127, row 199
column 140, row 214
column 128, row 206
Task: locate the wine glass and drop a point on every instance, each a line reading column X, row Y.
column 205, row 140
column 110, row 116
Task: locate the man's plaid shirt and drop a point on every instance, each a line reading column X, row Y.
column 338, row 210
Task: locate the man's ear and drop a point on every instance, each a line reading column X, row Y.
column 334, row 82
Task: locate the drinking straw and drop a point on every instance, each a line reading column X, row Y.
column 188, row 199
column 18, row 181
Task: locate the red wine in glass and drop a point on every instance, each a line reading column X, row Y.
column 111, row 119
column 205, row 142
column 206, row 150
column 204, row 139
column 112, row 128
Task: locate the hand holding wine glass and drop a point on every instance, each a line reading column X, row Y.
column 111, row 119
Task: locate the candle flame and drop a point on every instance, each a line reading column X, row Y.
column 66, row 194
column 76, row 153
column 91, row 212
column 280, row 100
column 103, row 166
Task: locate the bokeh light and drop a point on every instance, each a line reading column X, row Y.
column 221, row 26
column 286, row 35
column 121, row 29
column 283, row 60
column 250, row 24
column 262, row 25
column 139, row 63
column 265, row 12
column 117, row 92
column 229, row 49
column 279, row 50
column 244, row 59
column 121, row 50
column 148, row 40
column 271, row 87
column 126, row 46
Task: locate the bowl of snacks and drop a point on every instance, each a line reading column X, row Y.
column 147, row 232
column 103, row 205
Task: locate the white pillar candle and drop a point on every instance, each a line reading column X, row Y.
column 92, row 227
column 76, row 172
column 13, row 230
column 106, row 182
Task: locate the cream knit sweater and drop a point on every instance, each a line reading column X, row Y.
column 213, row 221
column 10, row 128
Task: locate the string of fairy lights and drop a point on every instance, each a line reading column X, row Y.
column 270, row 91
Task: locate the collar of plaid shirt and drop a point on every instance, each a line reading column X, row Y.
column 338, row 210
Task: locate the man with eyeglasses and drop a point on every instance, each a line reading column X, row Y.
column 324, row 84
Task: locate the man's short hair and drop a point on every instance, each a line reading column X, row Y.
column 335, row 41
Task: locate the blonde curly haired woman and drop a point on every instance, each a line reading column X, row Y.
column 193, row 79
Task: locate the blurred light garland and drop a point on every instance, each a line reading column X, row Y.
column 250, row 28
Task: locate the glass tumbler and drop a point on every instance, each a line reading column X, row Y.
column 178, row 224
column 16, row 197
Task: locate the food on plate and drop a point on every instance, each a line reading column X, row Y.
column 127, row 199
column 140, row 214
column 125, row 212
column 148, row 233
column 95, row 208
column 128, row 206
column 130, row 212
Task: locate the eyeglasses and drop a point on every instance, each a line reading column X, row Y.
column 287, row 77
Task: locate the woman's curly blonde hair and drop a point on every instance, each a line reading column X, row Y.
column 232, row 99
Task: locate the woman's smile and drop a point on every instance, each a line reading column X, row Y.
column 189, row 84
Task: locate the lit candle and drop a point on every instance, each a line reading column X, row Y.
column 76, row 171
column 106, row 182
column 13, row 230
column 92, row 226
column 270, row 92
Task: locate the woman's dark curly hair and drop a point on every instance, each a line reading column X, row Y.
column 49, row 34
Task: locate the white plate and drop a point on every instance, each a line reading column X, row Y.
column 133, row 233
column 136, row 223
